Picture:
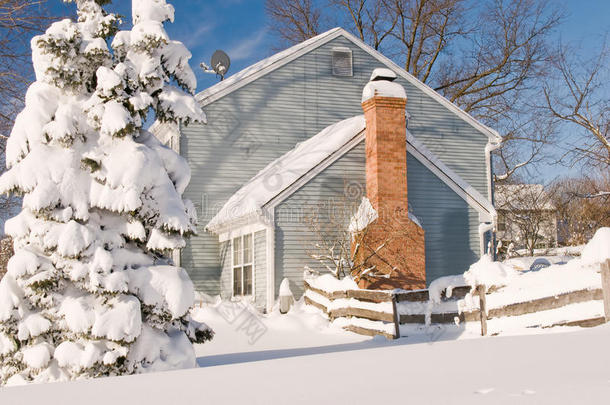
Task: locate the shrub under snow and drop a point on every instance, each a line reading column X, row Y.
column 90, row 290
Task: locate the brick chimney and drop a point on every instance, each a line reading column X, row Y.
column 402, row 252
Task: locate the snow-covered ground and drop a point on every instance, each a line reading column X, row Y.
column 301, row 329
column 300, row 357
column 300, row 360
column 563, row 277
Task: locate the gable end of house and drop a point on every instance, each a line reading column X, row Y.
column 268, row 65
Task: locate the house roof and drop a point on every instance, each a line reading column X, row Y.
column 523, row 197
column 273, row 62
column 286, row 174
column 286, row 170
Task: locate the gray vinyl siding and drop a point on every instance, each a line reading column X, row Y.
column 343, row 184
column 260, row 268
column 252, row 126
column 450, row 224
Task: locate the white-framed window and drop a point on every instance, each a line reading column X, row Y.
column 501, row 222
column 243, row 265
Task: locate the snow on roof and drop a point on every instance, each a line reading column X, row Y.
column 284, row 171
column 523, row 197
column 280, row 174
column 273, row 62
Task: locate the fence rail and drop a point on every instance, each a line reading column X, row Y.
column 392, row 318
column 546, row 303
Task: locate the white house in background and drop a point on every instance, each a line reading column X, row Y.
column 526, row 216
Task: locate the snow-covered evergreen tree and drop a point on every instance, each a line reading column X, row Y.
column 91, row 290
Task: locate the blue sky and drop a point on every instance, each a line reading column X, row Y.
column 239, row 27
column 236, row 26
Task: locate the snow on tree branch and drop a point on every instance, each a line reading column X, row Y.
column 91, row 290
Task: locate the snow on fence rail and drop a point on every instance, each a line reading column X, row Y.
column 375, row 312
column 367, row 312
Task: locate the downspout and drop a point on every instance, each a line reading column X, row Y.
column 489, row 148
column 486, row 227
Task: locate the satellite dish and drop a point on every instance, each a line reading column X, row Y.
column 221, row 63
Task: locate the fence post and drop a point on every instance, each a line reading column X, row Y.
column 396, row 318
column 605, row 270
column 483, row 308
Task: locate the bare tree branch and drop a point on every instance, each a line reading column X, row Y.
column 579, row 98
column 489, row 59
column 526, row 216
column 583, row 205
column 295, row 20
column 347, row 252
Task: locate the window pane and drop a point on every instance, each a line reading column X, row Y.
column 237, row 251
column 248, row 248
column 248, row 280
column 237, row 282
column 501, row 223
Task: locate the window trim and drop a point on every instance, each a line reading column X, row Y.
column 242, row 264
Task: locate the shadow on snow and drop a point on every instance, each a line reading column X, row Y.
column 430, row 335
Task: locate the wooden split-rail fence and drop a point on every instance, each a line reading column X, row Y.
column 390, row 313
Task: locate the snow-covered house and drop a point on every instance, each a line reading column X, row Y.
column 286, row 136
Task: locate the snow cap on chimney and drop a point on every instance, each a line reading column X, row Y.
column 383, row 74
column 381, row 85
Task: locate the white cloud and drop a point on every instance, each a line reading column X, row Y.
column 198, row 37
column 248, row 47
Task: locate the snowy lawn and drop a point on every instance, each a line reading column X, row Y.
column 300, row 357
column 296, row 362
column 302, row 331
column 564, row 277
